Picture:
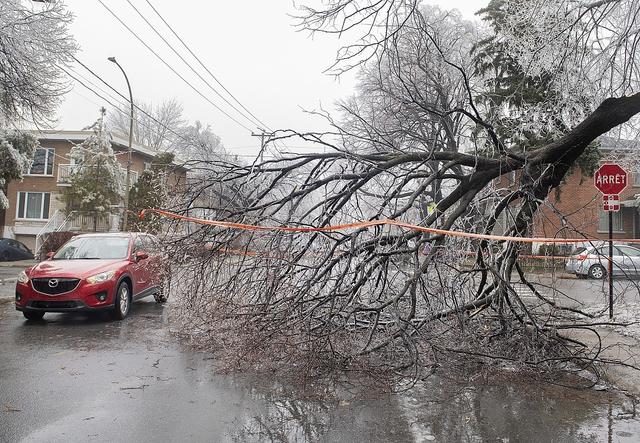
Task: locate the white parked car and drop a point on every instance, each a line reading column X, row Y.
column 592, row 261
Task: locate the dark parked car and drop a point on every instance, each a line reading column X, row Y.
column 95, row 272
column 11, row 250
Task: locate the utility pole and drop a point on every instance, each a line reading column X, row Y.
column 265, row 137
column 128, row 176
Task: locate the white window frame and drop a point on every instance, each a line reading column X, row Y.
column 636, row 177
column 147, row 166
column 26, row 199
column 49, row 158
column 603, row 222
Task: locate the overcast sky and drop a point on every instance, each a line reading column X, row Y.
column 252, row 47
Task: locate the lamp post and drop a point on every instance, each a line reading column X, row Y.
column 128, row 176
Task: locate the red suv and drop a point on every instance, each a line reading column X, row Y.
column 93, row 272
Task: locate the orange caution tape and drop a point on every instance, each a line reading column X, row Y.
column 372, row 223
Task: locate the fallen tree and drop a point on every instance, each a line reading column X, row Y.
column 417, row 146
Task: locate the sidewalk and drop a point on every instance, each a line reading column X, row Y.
column 619, row 347
column 9, row 271
column 18, row 264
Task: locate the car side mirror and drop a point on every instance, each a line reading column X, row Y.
column 141, row 255
column 49, row 255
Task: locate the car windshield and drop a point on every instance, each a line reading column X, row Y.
column 93, row 248
column 579, row 250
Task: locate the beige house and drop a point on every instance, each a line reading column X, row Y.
column 35, row 206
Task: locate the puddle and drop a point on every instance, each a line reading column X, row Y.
column 438, row 410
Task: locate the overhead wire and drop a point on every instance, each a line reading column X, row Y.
column 119, row 108
column 122, row 103
column 204, row 66
column 127, row 101
column 142, row 16
column 171, row 67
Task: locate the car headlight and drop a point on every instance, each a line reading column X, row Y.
column 102, row 277
column 23, row 278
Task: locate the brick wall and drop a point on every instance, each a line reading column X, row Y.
column 580, row 203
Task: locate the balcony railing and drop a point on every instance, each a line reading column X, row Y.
column 65, row 171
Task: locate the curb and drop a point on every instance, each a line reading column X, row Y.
column 18, row 264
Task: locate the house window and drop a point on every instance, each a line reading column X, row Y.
column 603, row 221
column 42, row 162
column 147, row 166
column 636, row 177
column 33, row 205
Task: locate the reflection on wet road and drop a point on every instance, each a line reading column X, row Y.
column 80, row 378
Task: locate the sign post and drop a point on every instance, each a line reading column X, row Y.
column 611, row 180
column 610, row 264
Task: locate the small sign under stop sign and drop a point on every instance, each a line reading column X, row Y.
column 611, row 202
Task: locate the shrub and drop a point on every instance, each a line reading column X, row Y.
column 54, row 240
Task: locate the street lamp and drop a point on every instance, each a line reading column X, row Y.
column 128, row 177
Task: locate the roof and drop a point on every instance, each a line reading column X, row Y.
column 105, row 234
column 116, row 139
column 619, row 144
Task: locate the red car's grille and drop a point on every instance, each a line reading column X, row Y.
column 53, row 304
column 54, row 286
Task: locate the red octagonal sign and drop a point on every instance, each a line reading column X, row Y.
column 610, row 179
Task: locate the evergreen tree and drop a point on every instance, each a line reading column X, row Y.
column 16, row 155
column 512, row 96
column 150, row 191
column 97, row 183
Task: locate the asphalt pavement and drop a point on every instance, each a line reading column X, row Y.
column 75, row 377
column 9, row 271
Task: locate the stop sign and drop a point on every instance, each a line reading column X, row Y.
column 610, row 179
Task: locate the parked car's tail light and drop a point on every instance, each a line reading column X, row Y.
column 581, row 257
column 23, row 278
column 102, row 277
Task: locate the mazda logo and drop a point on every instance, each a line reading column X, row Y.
column 53, row 283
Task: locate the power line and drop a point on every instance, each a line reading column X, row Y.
column 101, row 89
column 127, row 100
column 171, row 67
column 118, row 108
column 182, row 137
column 119, row 105
column 253, row 122
column 203, row 65
column 127, row 114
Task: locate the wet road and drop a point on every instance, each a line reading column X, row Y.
column 79, row 378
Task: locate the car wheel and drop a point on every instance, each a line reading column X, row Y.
column 123, row 301
column 33, row 315
column 597, row 272
column 163, row 291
